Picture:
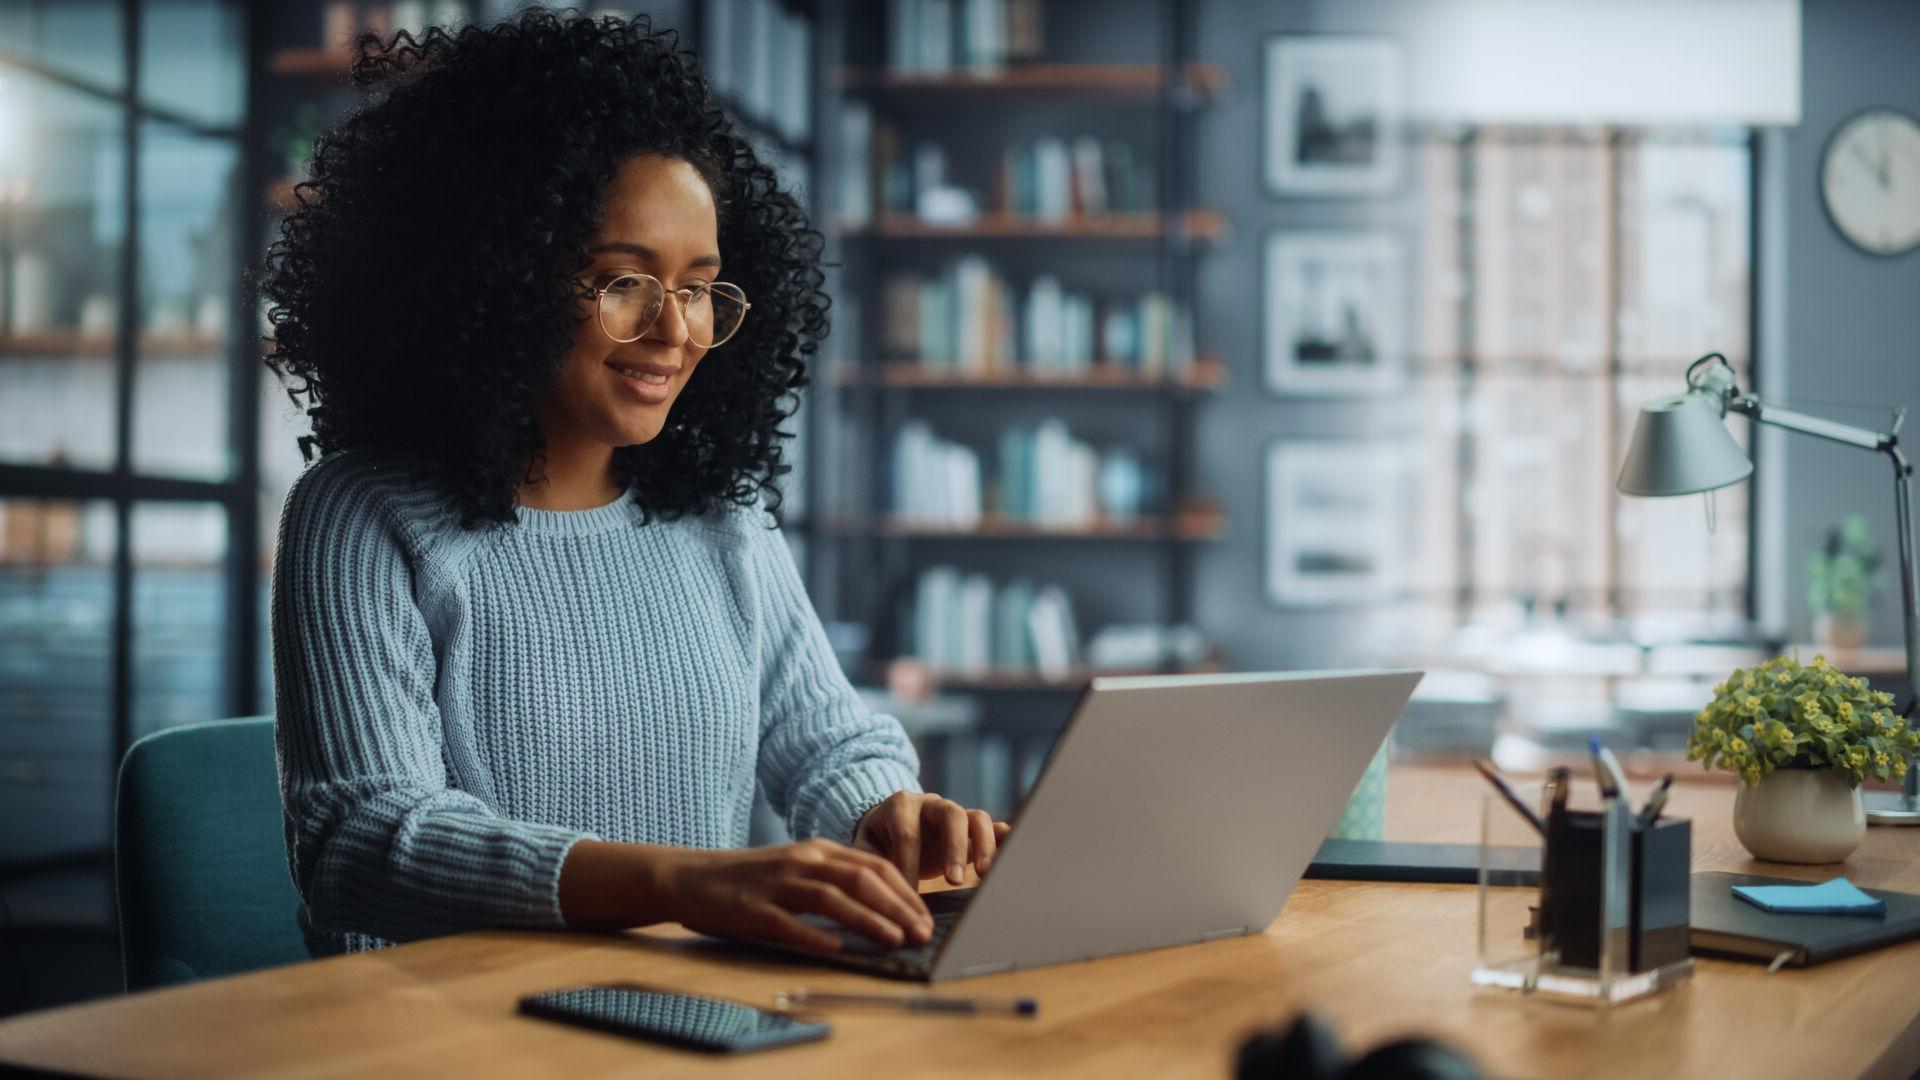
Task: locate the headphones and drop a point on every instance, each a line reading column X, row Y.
column 1308, row 1050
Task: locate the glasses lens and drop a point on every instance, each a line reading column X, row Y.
column 629, row 306
column 716, row 314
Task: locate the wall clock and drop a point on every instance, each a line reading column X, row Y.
column 1870, row 181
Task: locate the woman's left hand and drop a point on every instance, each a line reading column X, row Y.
column 927, row 836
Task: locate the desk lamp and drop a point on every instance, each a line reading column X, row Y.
column 1681, row 446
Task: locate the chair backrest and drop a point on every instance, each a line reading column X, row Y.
column 200, row 858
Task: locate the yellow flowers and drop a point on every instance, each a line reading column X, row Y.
column 1780, row 714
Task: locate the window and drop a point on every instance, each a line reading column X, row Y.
column 1569, row 277
column 125, row 483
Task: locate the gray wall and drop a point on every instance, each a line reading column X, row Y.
column 1852, row 319
column 1234, row 431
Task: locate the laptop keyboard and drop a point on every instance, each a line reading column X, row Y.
column 945, row 907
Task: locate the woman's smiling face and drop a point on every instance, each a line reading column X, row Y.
column 659, row 220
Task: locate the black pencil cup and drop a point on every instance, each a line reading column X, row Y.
column 1573, row 919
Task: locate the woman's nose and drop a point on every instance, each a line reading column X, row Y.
column 670, row 326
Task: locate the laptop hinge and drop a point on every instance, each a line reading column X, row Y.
column 1216, row 935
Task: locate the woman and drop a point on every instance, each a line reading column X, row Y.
column 535, row 640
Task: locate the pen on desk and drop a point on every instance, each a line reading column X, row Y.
column 1655, row 803
column 1506, row 793
column 1606, row 769
column 914, row 1002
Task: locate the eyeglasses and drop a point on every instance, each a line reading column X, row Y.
column 629, row 304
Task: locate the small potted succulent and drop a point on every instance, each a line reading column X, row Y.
column 1801, row 739
column 1842, row 578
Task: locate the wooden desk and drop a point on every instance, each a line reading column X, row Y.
column 1379, row 960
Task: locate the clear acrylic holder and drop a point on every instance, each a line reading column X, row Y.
column 1597, row 918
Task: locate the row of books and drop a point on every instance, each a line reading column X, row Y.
column 1055, row 180
column 978, row 768
column 759, row 53
column 965, row 624
column 1050, row 178
column 971, row 319
column 1046, row 477
column 938, row 37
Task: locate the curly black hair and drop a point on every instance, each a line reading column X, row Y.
column 422, row 290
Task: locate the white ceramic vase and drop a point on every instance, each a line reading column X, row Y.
column 1800, row 816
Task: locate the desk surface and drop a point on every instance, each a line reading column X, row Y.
column 1380, row 961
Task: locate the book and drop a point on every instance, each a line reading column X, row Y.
column 903, row 35
column 1012, row 641
column 719, row 32
column 1056, row 644
column 1724, row 925
column 856, row 165
column 936, row 37
column 986, row 35
column 755, row 74
column 975, row 651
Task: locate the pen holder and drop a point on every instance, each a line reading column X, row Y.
column 1593, row 912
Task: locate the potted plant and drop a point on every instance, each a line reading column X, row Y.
column 1841, row 578
column 1801, row 740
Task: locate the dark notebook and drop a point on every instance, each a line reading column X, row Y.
column 1454, row 864
column 1725, row 925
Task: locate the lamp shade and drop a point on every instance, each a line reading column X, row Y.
column 1680, row 447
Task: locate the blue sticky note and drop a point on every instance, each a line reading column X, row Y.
column 1836, row 897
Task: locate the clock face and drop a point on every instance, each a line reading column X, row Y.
column 1870, row 179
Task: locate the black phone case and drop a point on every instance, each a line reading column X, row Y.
column 802, row 1030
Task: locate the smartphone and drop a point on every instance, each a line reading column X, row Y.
column 699, row 1023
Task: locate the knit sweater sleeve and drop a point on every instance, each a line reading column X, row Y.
column 377, row 840
column 824, row 759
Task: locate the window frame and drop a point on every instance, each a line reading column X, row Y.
column 238, row 494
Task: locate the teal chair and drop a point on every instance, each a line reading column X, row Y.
column 199, row 858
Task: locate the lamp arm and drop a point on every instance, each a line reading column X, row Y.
column 1864, row 438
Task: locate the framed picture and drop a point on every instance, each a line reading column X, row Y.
column 1333, row 312
column 1331, row 509
column 1333, row 113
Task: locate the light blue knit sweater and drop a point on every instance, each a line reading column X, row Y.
column 456, row 708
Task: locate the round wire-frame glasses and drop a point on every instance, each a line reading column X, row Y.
column 629, row 304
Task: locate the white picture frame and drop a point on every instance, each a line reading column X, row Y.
column 1335, row 312
column 1331, row 538
column 1333, row 114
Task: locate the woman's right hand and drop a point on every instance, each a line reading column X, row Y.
column 758, row 892
column 745, row 893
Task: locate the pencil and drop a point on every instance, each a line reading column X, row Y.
column 1506, row 793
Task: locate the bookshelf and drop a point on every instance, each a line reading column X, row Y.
column 312, row 63
column 1194, row 523
column 1194, row 225
column 1202, row 82
column 85, row 345
column 1048, row 187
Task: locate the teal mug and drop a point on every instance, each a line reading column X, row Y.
column 1365, row 817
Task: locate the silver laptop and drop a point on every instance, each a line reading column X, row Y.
column 1173, row 809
